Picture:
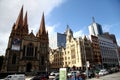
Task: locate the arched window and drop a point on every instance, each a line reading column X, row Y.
column 30, row 49
column 14, row 59
column 42, row 60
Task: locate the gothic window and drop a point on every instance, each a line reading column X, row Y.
column 42, row 60
column 35, row 51
column 14, row 59
column 24, row 50
column 30, row 49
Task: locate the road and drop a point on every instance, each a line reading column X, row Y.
column 114, row 76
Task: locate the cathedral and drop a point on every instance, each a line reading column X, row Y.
column 26, row 52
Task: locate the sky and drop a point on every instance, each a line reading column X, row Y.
column 58, row 14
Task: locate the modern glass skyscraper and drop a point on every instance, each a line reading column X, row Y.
column 95, row 28
column 57, row 40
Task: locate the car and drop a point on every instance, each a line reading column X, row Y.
column 56, row 77
column 54, row 73
column 103, row 72
column 15, row 77
column 39, row 77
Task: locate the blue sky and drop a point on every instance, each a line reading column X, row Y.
column 59, row 13
column 78, row 15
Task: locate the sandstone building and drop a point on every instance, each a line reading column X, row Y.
column 76, row 53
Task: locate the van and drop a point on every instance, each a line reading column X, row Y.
column 15, row 77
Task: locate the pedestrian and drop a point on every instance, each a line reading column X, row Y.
column 78, row 77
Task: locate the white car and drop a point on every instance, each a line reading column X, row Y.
column 15, row 77
column 103, row 72
column 54, row 73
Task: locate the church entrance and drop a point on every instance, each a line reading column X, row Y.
column 28, row 67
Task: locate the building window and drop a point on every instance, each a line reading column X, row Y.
column 35, row 51
column 24, row 50
column 14, row 59
column 30, row 49
column 42, row 60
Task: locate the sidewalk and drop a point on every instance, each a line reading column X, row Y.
column 95, row 79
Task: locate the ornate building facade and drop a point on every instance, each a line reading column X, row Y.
column 76, row 54
column 26, row 52
column 97, row 60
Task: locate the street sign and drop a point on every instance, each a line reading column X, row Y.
column 62, row 74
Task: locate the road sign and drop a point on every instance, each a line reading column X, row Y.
column 62, row 74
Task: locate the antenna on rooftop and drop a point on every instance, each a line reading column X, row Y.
column 93, row 19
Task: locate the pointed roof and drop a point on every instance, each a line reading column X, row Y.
column 42, row 29
column 31, row 34
column 68, row 30
column 19, row 21
column 25, row 22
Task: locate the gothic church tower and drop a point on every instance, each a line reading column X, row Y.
column 26, row 52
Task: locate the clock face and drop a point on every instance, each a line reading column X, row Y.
column 16, row 44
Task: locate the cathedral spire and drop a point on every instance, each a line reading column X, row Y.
column 42, row 25
column 25, row 23
column 42, row 29
column 19, row 21
column 25, row 20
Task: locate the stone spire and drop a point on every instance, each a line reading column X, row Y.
column 42, row 29
column 68, row 31
column 25, row 23
column 42, row 25
column 19, row 21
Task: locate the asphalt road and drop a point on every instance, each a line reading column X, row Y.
column 114, row 76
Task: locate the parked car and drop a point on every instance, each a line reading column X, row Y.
column 15, row 77
column 56, row 77
column 103, row 72
column 54, row 73
column 39, row 77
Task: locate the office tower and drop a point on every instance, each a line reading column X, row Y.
column 57, row 40
column 95, row 28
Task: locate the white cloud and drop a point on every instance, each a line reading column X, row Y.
column 110, row 27
column 78, row 33
column 35, row 8
column 107, row 27
column 51, row 28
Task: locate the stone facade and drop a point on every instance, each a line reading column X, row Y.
column 25, row 51
column 97, row 59
column 76, row 53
